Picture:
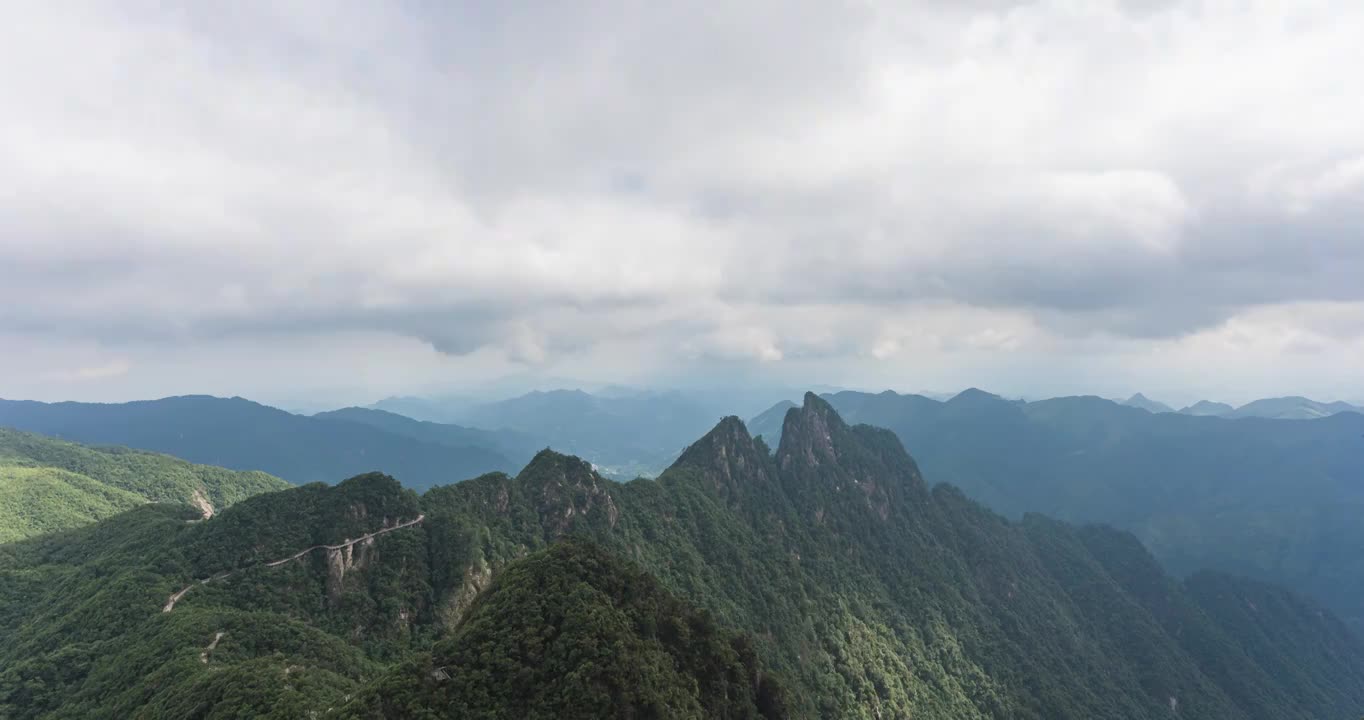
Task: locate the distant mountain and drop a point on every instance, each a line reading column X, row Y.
column 1208, row 408
column 823, row 580
column 439, row 409
column 1147, row 404
column 243, row 435
column 626, row 431
column 1291, row 408
column 625, row 435
column 768, row 423
column 48, row 484
column 1274, row 499
column 1284, row 408
column 517, row 447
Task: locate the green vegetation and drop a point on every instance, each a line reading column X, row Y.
column 48, row 485
column 1277, row 500
column 572, row 632
column 823, row 580
column 39, row 500
column 243, row 435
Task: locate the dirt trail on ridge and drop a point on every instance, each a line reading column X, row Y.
column 175, row 596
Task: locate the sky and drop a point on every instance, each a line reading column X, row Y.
column 319, row 203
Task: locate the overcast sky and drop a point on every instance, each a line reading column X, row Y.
column 317, row 203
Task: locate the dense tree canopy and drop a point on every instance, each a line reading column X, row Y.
column 1277, row 500
column 823, row 580
column 47, row 484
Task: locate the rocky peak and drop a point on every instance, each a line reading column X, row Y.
column 566, row 490
column 826, row 462
column 729, row 460
column 809, row 432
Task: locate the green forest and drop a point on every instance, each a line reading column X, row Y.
column 823, row 579
column 48, row 484
column 1278, row 500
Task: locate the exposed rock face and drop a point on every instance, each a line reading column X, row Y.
column 565, row 493
column 823, row 461
column 217, row 638
column 341, row 561
column 807, row 434
column 566, row 490
column 477, row 578
column 200, row 500
column 733, row 465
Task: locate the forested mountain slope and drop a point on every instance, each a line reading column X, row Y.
column 48, row 484
column 573, row 632
column 1278, row 500
column 243, row 435
column 823, row 580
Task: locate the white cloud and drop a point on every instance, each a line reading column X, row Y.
column 789, row 185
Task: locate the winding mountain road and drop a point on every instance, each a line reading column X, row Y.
column 347, row 543
column 175, row 596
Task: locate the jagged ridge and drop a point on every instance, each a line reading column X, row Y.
column 868, row 594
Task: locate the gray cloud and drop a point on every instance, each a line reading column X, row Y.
column 761, row 182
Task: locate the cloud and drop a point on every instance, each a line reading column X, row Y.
column 113, row 369
column 760, row 182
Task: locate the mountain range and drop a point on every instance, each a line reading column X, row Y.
column 441, row 409
column 1282, row 408
column 625, row 434
column 517, row 447
column 825, row 579
column 1292, row 408
column 243, row 435
column 1272, row 499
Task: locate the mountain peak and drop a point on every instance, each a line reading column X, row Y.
column 973, row 396
column 549, row 464
column 1207, row 407
column 728, row 434
column 827, row 463
column 730, row 431
column 817, row 406
column 1141, row 401
column 565, row 490
column 728, row 459
column 810, row 430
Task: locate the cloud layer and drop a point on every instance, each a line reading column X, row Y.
column 864, row 190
